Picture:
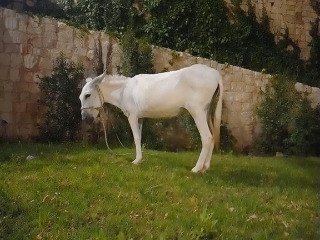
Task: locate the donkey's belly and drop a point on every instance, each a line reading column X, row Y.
column 159, row 112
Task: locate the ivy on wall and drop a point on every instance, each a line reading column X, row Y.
column 203, row 28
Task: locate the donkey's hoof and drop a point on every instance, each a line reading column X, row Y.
column 136, row 161
column 196, row 169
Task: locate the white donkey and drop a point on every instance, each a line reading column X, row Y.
column 161, row 95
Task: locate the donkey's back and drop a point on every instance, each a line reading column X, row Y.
column 164, row 94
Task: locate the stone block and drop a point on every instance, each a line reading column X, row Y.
column 256, row 98
column 9, row 12
column 11, row 22
column 67, row 48
column 226, row 86
column 50, row 41
column 33, row 88
column 22, row 87
column 14, row 74
column 237, row 75
column 11, row 48
column 36, row 51
column 234, row 118
column 30, row 61
column 8, row 86
column 247, row 72
column 16, row 60
column 243, row 97
column 23, row 23
column 19, row 107
column 247, row 117
column 227, row 79
column 4, row 73
column 314, row 97
column 25, row 96
column 22, row 26
column 50, row 28
column 36, row 41
column 4, row 59
column 250, row 89
column 234, row 106
column 220, row 68
column 32, row 107
column 24, row 118
column 45, row 64
column 249, row 79
column 237, row 87
column 34, row 26
column 5, row 106
column 26, row 75
column 214, row 64
column 65, row 35
column 291, row 8
column 229, row 97
column 247, row 107
column 14, row 37
column 81, row 51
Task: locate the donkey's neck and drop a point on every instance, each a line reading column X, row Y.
column 112, row 88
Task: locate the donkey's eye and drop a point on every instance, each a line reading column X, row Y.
column 87, row 96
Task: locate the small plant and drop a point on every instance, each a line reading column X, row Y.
column 59, row 97
column 289, row 123
column 137, row 55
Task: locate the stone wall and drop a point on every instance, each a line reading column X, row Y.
column 242, row 92
column 294, row 15
column 28, row 46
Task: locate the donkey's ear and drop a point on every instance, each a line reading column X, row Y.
column 89, row 79
column 98, row 79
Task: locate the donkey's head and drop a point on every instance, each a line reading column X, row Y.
column 91, row 99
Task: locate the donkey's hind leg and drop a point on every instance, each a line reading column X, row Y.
column 206, row 165
column 200, row 118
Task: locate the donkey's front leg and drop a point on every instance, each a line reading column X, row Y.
column 136, row 131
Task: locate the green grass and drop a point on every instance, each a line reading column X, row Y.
column 71, row 192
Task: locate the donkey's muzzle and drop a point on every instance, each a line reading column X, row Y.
column 87, row 118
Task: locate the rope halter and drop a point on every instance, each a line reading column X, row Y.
column 102, row 114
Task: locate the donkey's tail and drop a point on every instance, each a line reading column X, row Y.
column 215, row 113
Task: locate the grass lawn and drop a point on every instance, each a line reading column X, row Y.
column 71, row 192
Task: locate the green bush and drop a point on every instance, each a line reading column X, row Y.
column 59, row 97
column 288, row 122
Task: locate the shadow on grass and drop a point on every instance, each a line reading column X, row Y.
column 259, row 179
column 12, row 219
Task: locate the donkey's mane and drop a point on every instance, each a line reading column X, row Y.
column 114, row 78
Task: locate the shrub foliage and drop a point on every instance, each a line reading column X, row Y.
column 59, row 96
column 289, row 123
